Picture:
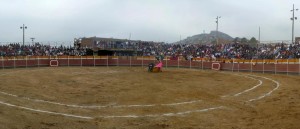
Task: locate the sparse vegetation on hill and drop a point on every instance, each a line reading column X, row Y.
column 207, row 38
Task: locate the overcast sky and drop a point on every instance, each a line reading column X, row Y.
column 151, row 20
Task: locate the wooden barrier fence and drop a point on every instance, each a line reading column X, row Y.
column 287, row 66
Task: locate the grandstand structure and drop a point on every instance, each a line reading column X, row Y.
column 109, row 46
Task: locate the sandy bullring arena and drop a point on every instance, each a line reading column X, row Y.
column 131, row 97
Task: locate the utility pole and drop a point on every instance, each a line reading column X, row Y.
column 180, row 39
column 293, row 20
column 259, row 35
column 129, row 36
column 23, row 27
column 32, row 39
column 217, row 38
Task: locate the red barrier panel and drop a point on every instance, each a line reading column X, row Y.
column 63, row 62
column 293, row 68
column 245, row 67
column 173, row 63
column 100, row 62
column 20, row 63
column 8, row 63
column 136, row 62
column 43, row 62
column 257, row 67
column 207, row 65
column 196, row 64
column 235, row 66
column 74, row 62
column 226, row 66
column 87, row 62
column 269, row 67
column 113, row 62
column 123, row 62
column 184, row 63
column 32, row 63
column 281, row 68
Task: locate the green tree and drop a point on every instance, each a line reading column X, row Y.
column 253, row 42
column 244, row 40
column 236, row 39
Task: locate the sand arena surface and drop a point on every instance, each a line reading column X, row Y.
column 130, row 97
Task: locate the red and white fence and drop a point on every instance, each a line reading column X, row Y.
column 264, row 66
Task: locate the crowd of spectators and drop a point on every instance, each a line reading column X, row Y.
column 225, row 51
column 189, row 51
column 15, row 49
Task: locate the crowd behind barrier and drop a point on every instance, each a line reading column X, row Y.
column 225, row 51
column 188, row 51
column 15, row 49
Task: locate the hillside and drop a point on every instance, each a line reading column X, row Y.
column 207, row 38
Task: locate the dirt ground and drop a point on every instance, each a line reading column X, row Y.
column 130, row 97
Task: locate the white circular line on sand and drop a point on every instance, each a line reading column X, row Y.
column 125, row 106
column 137, row 116
column 152, row 105
column 43, row 111
column 125, row 116
column 260, row 83
column 105, row 106
column 82, row 73
column 96, row 106
column 269, row 93
column 245, row 91
column 166, row 114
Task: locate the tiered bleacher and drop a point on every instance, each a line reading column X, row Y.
column 188, row 51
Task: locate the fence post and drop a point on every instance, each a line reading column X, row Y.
column 263, row 66
column 299, row 65
column 177, row 62
column 130, row 61
column 199, row 63
column 81, row 61
column 94, row 60
column 68, row 61
column 26, row 61
column 166, row 62
column 251, row 65
column 14, row 62
column 275, row 66
column 106, row 60
column 2, row 62
column 190, row 63
column 142, row 61
column 118, row 61
column 39, row 60
column 287, row 67
column 202, row 63
column 232, row 65
column 239, row 66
